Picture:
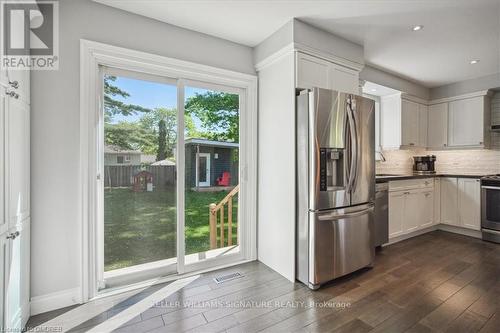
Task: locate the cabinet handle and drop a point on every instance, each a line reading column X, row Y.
column 14, row 84
column 12, row 94
column 481, row 142
column 444, row 144
column 406, row 193
column 427, row 194
column 13, row 235
column 412, row 144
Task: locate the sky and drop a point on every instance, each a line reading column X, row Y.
column 149, row 94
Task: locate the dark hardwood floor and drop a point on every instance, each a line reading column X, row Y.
column 437, row 282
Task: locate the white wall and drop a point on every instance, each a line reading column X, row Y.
column 467, row 86
column 276, row 185
column 55, row 124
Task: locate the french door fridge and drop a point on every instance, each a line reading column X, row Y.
column 335, row 184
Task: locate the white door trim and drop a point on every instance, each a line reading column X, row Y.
column 92, row 56
column 207, row 170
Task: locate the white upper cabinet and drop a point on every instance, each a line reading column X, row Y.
column 312, row 72
column 469, row 203
column 466, row 122
column 409, row 123
column 315, row 72
column 344, row 79
column 403, row 123
column 423, row 115
column 437, row 132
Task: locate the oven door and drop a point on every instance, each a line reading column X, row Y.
column 490, row 207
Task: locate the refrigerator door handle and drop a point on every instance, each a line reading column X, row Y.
column 353, row 150
column 339, row 216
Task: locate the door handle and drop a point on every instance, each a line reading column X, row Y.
column 13, row 235
column 14, row 84
column 335, row 216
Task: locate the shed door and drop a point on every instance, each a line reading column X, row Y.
column 203, row 169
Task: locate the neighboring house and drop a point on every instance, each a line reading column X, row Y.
column 207, row 160
column 114, row 155
column 148, row 159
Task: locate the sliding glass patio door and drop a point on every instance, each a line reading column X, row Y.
column 212, row 174
column 168, row 177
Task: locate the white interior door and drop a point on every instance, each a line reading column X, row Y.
column 203, row 169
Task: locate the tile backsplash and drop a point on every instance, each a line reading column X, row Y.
column 481, row 161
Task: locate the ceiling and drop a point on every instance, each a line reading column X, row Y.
column 455, row 31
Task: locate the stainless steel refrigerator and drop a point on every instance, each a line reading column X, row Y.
column 335, row 185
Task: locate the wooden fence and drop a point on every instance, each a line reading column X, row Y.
column 123, row 175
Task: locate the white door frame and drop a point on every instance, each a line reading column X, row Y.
column 93, row 55
column 207, row 169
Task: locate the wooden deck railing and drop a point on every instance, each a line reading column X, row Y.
column 218, row 210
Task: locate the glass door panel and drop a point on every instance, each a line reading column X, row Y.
column 212, row 171
column 138, row 174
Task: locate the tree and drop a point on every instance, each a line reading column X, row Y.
column 162, row 141
column 218, row 113
column 112, row 106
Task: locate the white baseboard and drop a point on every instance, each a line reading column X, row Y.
column 410, row 235
column 461, row 231
column 444, row 227
column 54, row 301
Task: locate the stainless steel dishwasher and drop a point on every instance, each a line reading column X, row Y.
column 381, row 213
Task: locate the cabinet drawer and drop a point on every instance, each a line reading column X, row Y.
column 398, row 185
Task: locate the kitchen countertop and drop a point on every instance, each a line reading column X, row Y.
column 388, row 177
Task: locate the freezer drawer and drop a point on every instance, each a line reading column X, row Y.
column 340, row 242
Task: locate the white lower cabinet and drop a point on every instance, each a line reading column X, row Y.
column 410, row 208
column 469, row 203
column 449, row 200
column 426, row 209
column 396, row 213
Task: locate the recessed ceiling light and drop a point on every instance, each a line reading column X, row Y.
column 417, row 27
column 474, row 61
column 373, row 89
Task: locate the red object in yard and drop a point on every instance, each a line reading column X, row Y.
column 225, row 180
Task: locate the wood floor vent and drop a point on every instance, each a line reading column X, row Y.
column 228, row 277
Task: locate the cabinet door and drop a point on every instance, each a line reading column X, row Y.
column 409, row 123
column 466, row 122
column 422, row 125
column 344, row 79
column 449, row 201
column 312, row 72
column 437, row 200
column 469, row 203
column 3, row 187
column 18, row 161
column 390, row 121
column 426, row 215
column 412, row 210
column 396, row 213
column 437, row 130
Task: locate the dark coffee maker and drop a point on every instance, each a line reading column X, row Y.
column 424, row 164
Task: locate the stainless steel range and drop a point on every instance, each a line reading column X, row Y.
column 490, row 208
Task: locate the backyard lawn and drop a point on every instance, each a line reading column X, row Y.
column 140, row 227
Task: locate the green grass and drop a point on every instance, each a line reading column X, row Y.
column 141, row 227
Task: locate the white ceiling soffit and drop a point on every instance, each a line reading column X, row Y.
column 377, row 89
column 455, row 31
